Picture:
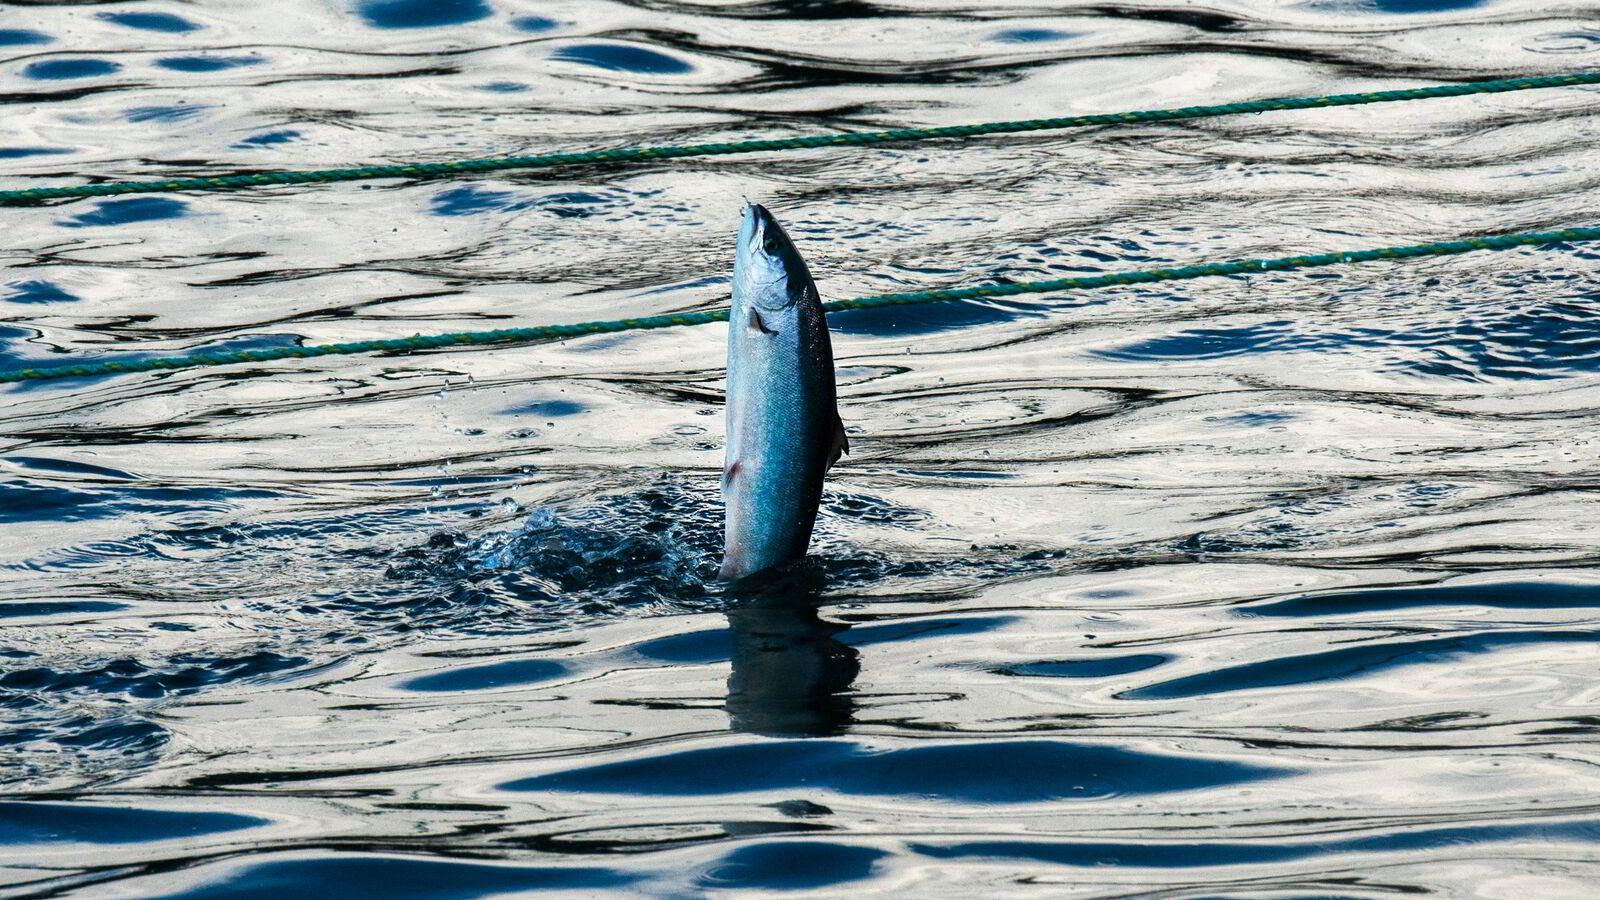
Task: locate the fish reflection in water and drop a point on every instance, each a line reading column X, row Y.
column 791, row 675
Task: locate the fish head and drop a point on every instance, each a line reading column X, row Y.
column 767, row 269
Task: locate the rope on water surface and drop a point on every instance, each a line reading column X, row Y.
column 635, row 154
column 910, row 298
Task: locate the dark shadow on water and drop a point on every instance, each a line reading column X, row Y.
column 1509, row 595
column 151, row 21
column 980, row 771
column 29, row 500
column 790, row 673
column 1529, row 338
column 695, row 647
column 1424, row 6
column 896, row 632
column 36, row 823
column 38, row 291
column 176, row 113
column 126, row 676
column 268, row 139
column 533, row 24
column 61, row 69
column 791, row 865
column 505, row 674
column 354, row 875
column 1219, row 853
column 122, row 212
column 623, row 58
column 201, row 64
column 17, row 37
column 1347, row 662
column 24, row 152
column 928, row 319
column 788, row 10
column 422, row 13
column 1085, row 668
column 1032, row 35
column 473, row 200
column 12, row 609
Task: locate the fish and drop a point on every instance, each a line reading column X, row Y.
column 783, row 427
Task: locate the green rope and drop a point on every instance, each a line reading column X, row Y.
column 556, row 332
column 626, row 155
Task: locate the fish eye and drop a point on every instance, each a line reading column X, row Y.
column 769, row 244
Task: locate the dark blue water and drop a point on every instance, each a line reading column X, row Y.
column 1280, row 586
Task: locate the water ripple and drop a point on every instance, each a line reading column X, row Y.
column 1280, row 585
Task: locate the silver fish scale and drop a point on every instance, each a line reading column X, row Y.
column 782, row 415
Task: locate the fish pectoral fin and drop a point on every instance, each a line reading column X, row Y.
column 841, row 441
column 754, row 323
column 730, row 472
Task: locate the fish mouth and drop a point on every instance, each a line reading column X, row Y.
column 753, row 230
column 768, row 263
column 761, row 233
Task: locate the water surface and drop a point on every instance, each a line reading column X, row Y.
column 1278, row 586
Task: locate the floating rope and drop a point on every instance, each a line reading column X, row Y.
column 557, row 332
column 636, row 154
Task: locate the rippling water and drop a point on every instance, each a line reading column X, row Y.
column 1278, row 586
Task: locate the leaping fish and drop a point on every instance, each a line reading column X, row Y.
column 783, row 418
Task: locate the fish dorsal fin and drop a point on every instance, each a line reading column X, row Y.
column 841, row 442
column 755, row 324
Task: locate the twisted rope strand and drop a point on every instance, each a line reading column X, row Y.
column 910, row 298
column 635, row 154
